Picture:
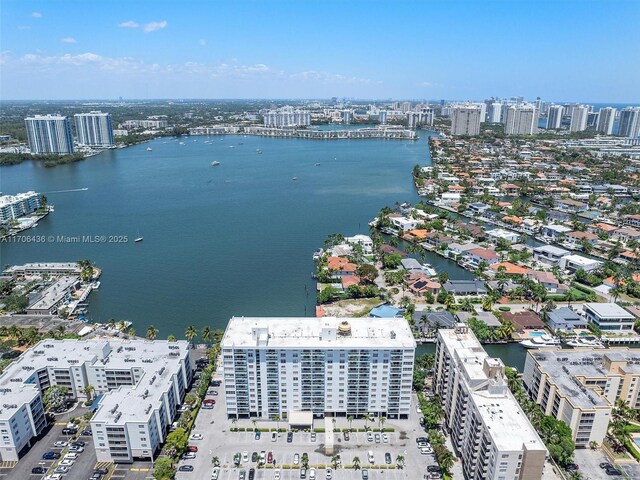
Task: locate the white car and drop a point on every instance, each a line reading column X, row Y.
column 188, row 455
column 312, row 474
column 385, row 438
column 296, row 459
column 426, row 450
column 215, row 473
column 76, row 449
column 60, row 444
column 67, row 462
column 245, row 456
column 274, row 436
column 71, row 456
column 329, row 474
column 418, row 409
column 196, row 436
column 369, row 437
column 276, row 474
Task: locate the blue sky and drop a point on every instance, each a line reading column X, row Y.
column 560, row 50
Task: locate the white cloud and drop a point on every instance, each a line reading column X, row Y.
column 129, row 24
column 5, row 56
column 153, row 26
column 202, row 42
column 327, row 77
column 36, row 15
column 68, row 40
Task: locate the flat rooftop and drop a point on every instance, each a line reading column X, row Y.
column 309, row 332
column 53, row 294
column 565, row 366
column 609, row 310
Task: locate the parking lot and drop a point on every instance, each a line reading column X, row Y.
column 589, row 465
column 219, row 441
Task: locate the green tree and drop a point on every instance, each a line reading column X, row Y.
column 163, row 469
column 176, row 442
column 152, row 332
column 190, row 333
column 367, row 273
column 206, row 335
column 55, row 398
column 356, row 462
column 172, row 338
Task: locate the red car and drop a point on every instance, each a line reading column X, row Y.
column 209, row 401
column 192, row 448
column 270, row 457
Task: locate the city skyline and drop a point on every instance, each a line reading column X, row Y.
column 70, row 50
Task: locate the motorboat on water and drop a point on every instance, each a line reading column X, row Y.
column 318, row 254
column 149, row 149
column 429, row 270
column 541, row 342
column 215, row 163
column 586, row 342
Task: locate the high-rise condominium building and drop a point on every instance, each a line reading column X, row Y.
column 420, row 118
column 287, row 117
column 141, row 383
column 494, row 112
column 579, row 117
column 489, row 430
column 554, row 117
column 521, row 119
column 94, row 129
column 580, row 387
column 629, row 124
column 49, row 134
column 465, row 120
column 318, row 366
column 606, row 117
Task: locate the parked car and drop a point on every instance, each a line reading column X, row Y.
column 385, row 438
column 346, row 436
column 67, row 462
column 101, row 471
column 69, row 431
column 365, row 474
column 71, row 456
column 312, row 474
column 185, row 468
column 215, row 473
column 377, row 437
column 245, row 456
column 329, row 474
column 276, row 474
column 61, row 469
column 313, row 436
column 192, row 448
column 252, row 473
column 426, row 450
column 38, row 470
column 296, row 458
column 242, row 475
column 263, row 456
column 78, row 443
column 387, row 458
column 60, row 444
column 50, row 456
column 289, row 437
column 369, row 437
column 257, row 435
column 371, row 458
column 254, row 457
column 571, row 467
column 613, row 472
column 76, row 449
column 606, row 465
column 274, row 436
column 434, row 468
column 196, row 436
column 303, row 473
column 188, row 456
column 86, row 431
column 269, row 457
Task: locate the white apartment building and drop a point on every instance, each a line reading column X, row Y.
column 521, row 119
column 629, row 124
column 287, row 117
column 489, row 430
column 494, row 112
column 465, row 120
column 579, row 117
column 326, row 366
column 609, row 316
column 150, row 123
column 15, row 206
column 40, row 269
column 606, row 117
column 94, row 129
column 141, row 381
column 580, row 387
column 554, row 117
column 49, row 134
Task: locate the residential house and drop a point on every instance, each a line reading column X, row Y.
column 572, row 263
column 364, row 241
column 571, row 206
column 419, row 284
column 403, row 223
column 626, row 234
column 474, row 256
column 508, row 268
column 487, row 317
column 631, row 220
column 601, row 227
column 429, row 322
column 510, row 190
column 566, row 320
column 553, row 231
column 549, row 281
column 465, row 287
column 502, row 234
column 435, row 239
column 478, row 208
column 527, row 320
column 340, row 266
column 575, row 239
column 549, row 254
column 609, row 316
column 386, row 311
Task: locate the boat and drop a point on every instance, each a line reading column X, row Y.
column 429, row 270
column 541, row 342
column 318, row 254
column 294, row 178
column 215, row 163
column 585, row 342
column 317, row 164
column 139, row 239
column 149, row 149
column 95, row 285
column 232, row 146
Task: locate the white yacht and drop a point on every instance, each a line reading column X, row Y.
column 429, row 270
column 586, row 342
column 541, row 342
column 215, row 163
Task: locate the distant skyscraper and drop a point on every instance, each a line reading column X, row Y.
column 382, row 116
column 465, row 120
column 629, row 125
column 346, row 117
column 494, row 112
column 49, row 134
column 405, row 107
column 287, row 116
column 606, row 117
column 554, row 117
column 579, row 117
column 94, row 129
column 522, row 119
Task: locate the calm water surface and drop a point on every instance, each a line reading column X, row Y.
column 235, row 239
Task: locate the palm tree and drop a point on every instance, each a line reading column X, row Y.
column 234, row 421
column 400, row 461
column 367, row 418
column 381, row 421
column 131, row 331
column 112, row 323
column 215, row 461
column 152, row 332
column 446, row 460
column 487, row 304
column 350, row 420
column 171, row 338
column 206, row 335
column 88, row 391
column 190, row 333
column 334, row 461
column 122, row 325
column 276, row 417
column 254, row 422
column 356, row 462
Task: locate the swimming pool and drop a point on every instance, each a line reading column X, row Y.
column 637, row 441
column 537, row 334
